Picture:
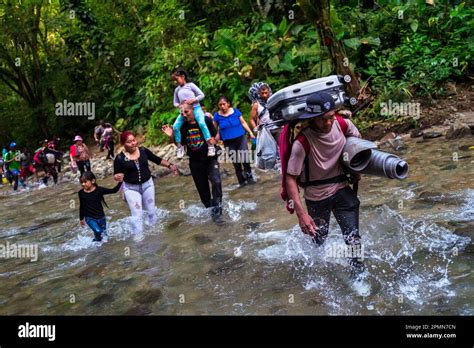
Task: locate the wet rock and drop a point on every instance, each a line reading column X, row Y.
column 467, row 118
column 431, row 135
column 470, row 248
column 449, row 167
column 140, row 310
column 315, row 301
column 183, row 168
column 391, row 140
column 397, row 144
column 220, row 257
column 458, row 130
column 175, row 224
column 228, row 267
column 466, row 230
column 142, row 267
column 278, row 310
column 437, row 197
column 147, row 296
column 88, row 272
column 466, row 147
column 202, row 239
column 447, row 122
column 252, row 226
column 416, row 133
column 102, row 299
column 384, row 142
column 159, row 171
column 19, row 297
column 167, row 151
column 43, row 225
column 127, row 280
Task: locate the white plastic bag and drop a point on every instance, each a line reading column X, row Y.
column 50, row 158
column 266, row 150
column 73, row 166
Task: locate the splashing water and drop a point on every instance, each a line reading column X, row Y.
column 418, row 254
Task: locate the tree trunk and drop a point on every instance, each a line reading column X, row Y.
column 318, row 13
column 42, row 120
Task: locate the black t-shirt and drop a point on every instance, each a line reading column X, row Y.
column 91, row 202
column 132, row 174
column 193, row 138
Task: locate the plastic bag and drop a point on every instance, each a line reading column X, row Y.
column 73, row 167
column 50, row 158
column 266, row 150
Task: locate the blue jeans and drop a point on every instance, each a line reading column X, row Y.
column 98, row 226
column 200, row 119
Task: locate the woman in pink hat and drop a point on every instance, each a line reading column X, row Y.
column 80, row 155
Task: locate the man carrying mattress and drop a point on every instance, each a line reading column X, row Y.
column 313, row 162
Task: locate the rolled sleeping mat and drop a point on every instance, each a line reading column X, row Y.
column 356, row 153
column 360, row 156
column 386, row 164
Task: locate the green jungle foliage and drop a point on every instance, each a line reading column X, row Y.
column 119, row 56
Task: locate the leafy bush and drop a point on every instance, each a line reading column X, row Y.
column 432, row 51
column 154, row 133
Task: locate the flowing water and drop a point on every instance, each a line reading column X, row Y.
column 259, row 262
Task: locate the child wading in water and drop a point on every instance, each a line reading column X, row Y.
column 91, row 210
column 187, row 92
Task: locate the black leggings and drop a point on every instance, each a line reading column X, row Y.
column 110, row 147
column 84, row 166
column 238, row 152
column 12, row 178
column 345, row 206
column 50, row 171
column 204, row 172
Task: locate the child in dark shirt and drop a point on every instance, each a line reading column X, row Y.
column 91, row 211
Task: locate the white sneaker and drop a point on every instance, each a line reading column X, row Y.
column 180, row 152
column 211, row 151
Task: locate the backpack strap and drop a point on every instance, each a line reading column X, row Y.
column 342, row 123
column 304, row 141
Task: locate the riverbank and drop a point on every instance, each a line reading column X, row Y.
column 450, row 119
column 456, row 106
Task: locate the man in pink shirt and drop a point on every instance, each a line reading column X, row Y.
column 325, row 185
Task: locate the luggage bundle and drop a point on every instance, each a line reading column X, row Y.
column 290, row 102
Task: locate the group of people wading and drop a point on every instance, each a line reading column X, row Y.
column 309, row 154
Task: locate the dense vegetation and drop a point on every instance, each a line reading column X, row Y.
column 119, row 55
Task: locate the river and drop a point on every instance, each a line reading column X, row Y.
column 416, row 235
